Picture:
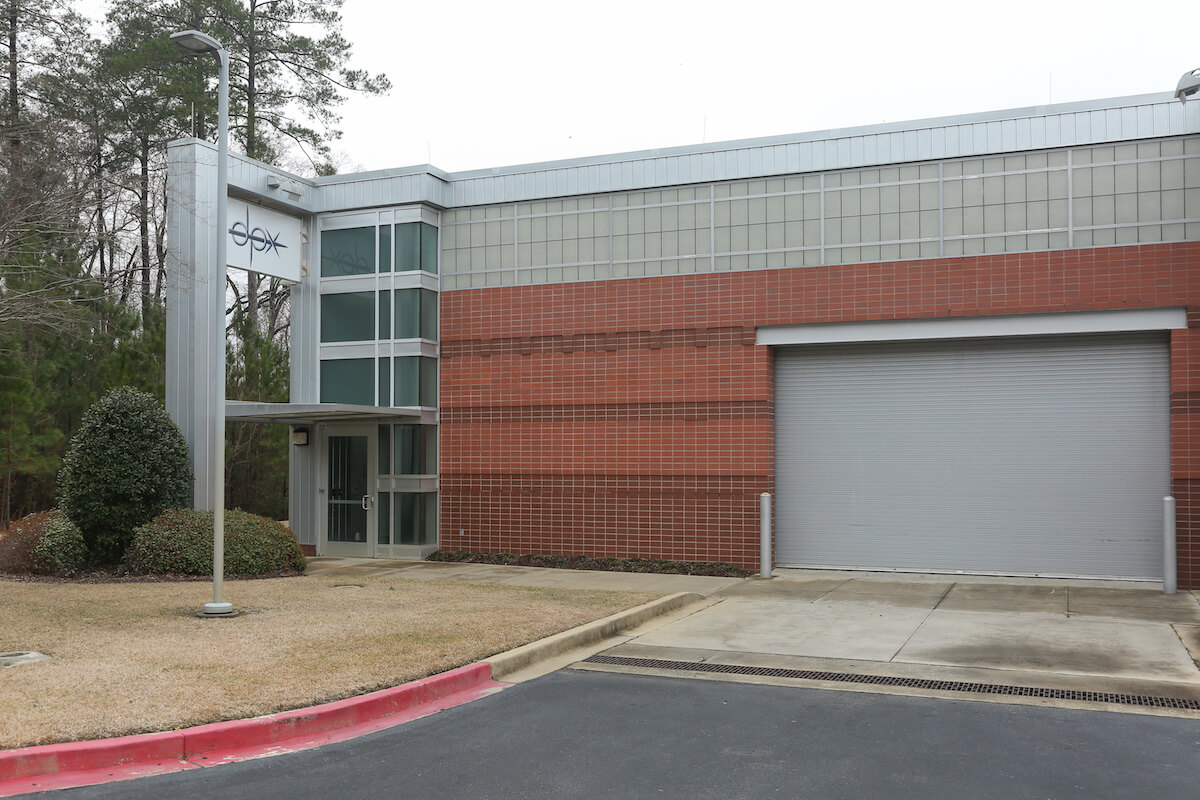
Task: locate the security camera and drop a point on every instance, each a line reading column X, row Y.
column 1189, row 84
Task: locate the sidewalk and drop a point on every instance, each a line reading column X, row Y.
column 542, row 577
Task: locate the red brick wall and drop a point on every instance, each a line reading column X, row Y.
column 635, row 417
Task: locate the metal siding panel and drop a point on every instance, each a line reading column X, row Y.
column 975, row 455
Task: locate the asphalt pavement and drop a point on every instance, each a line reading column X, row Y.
column 575, row 734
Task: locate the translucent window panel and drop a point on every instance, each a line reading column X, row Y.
column 348, row 317
column 385, row 381
column 385, row 314
column 429, row 384
column 348, row 252
column 408, row 246
column 385, row 449
column 385, row 248
column 349, row 380
column 429, row 314
column 406, row 378
column 408, row 313
column 384, row 520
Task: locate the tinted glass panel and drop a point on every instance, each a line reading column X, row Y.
column 385, row 248
column 407, row 523
column 347, row 252
column 429, row 247
column 429, row 518
column 385, row 313
column 416, row 449
column 348, row 317
column 407, row 378
column 429, row 314
column 408, row 246
column 385, row 382
column 429, row 386
column 349, row 380
column 385, row 449
column 384, row 520
column 347, row 485
column 408, row 313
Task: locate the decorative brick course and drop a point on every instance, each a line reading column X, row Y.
column 635, row 417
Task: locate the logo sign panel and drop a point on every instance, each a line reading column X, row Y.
column 263, row 240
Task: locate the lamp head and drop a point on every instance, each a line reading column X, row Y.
column 1189, row 84
column 196, row 41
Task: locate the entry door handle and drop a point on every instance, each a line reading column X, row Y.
column 366, row 502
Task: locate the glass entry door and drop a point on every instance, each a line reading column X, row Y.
column 350, row 492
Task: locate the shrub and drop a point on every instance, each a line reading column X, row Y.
column 180, row 542
column 62, row 550
column 127, row 464
column 16, row 546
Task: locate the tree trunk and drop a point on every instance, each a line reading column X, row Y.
column 14, row 99
column 144, row 223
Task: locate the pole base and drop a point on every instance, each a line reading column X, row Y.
column 218, row 609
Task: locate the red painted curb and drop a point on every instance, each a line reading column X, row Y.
column 57, row 766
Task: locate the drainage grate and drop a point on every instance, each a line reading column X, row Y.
column 916, row 683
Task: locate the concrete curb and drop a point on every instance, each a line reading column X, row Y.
column 58, row 766
column 521, row 657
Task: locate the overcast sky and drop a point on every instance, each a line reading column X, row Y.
column 497, row 82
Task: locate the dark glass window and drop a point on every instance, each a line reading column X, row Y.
column 348, row 317
column 408, row 313
column 416, row 314
column 347, row 252
column 407, row 377
column 408, row 246
column 429, row 382
column 385, row 248
column 429, row 248
column 385, row 449
column 429, row 314
column 385, row 313
column 385, row 381
column 415, row 518
column 416, row 247
column 384, row 521
column 416, row 449
column 349, row 380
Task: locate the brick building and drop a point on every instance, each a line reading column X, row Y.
column 963, row 344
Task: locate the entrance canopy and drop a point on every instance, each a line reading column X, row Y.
column 312, row 413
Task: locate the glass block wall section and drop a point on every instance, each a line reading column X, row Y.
column 1056, row 199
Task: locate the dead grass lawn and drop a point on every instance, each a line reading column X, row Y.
column 133, row 657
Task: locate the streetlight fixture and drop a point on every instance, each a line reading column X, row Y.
column 1189, row 84
column 199, row 43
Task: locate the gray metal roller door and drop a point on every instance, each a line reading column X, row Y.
column 1037, row 455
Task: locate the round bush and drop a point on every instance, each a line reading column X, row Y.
column 180, row 542
column 17, row 544
column 127, row 464
column 62, row 550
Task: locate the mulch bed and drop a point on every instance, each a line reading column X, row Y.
column 718, row 569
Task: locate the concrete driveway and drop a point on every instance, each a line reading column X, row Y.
column 1108, row 636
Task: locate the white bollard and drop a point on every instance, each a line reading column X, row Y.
column 1169, row 577
column 764, row 522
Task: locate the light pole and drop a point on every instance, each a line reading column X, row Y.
column 199, row 43
column 1189, row 84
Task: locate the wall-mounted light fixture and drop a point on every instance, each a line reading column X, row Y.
column 300, row 437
